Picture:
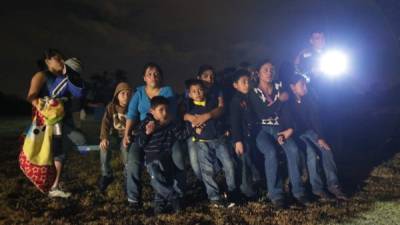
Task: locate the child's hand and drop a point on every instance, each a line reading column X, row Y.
column 284, row 135
column 202, row 118
column 199, row 129
column 283, row 97
column 150, row 127
column 322, row 143
column 239, row 149
column 126, row 141
column 104, row 144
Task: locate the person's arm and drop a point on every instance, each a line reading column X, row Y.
column 315, row 118
column 106, row 123
column 236, row 121
column 131, row 118
column 37, row 82
column 75, row 84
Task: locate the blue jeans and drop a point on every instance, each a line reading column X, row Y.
column 162, row 182
column 105, row 156
column 134, row 167
column 246, row 169
column 208, row 152
column 180, row 174
column 135, row 161
column 70, row 138
column 193, row 158
column 314, row 152
column 268, row 145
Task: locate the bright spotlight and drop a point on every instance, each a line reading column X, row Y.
column 333, row 63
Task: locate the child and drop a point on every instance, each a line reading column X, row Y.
column 241, row 118
column 210, row 146
column 309, row 130
column 206, row 73
column 112, row 131
column 156, row 136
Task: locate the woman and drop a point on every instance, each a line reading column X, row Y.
column 58, row 81
column 275, row 132
column 138, row 108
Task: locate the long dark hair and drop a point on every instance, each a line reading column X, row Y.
column 47, row 54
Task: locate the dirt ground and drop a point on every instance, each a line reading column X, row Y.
column 370, row 175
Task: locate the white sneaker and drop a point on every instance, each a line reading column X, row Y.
column 58, row 193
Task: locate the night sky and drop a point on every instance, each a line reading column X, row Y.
column 181, row 35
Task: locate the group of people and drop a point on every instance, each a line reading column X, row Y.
column 261, row 120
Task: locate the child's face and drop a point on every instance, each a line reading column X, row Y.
column 123, row 97
column 160, row 113
column 196, row 93
column 299, row 88
column 266, row 73
column 207, row 77
column 55, row 63
column 242, row 85
column 152, row 77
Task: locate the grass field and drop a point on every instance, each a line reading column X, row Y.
column 374, row 186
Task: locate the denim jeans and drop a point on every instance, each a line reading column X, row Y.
column 178, row 158
column 268, row 145
column 161, row 181
column 193, row 158
column 327, row 162
column 208, row 153
column 245, row 171
column 134, row 167
column 105, row 156
column 70, row 138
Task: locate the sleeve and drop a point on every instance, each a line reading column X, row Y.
column 182, row 131
column 235, row 121
column 315, row 118
column 106, row 123
column 286, row 118
column 75, row 85
column 133, row 112
column 141, row 138
column 169, row 94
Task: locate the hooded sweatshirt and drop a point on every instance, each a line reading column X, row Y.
column 114, row 118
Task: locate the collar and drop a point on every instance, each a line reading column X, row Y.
column 200, row 103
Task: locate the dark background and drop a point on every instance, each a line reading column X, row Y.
column 181, row 35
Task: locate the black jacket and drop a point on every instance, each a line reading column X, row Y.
column 158, row 144
column 241, row 117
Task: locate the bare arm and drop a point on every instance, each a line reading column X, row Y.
column 37, row 83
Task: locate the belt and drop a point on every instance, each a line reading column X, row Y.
column 270, row 122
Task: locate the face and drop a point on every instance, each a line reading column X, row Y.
column 207, row 77
column 160, row 113
column 55, row 64
column 266, row 73
column 196, row 93
column 152, row 77
column 123, row 97
column 299, row 88
column 242, row 85
column 317, row 40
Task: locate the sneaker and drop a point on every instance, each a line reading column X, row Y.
column 159, row 208
column 58, row 193
column 104, row 182
column 176, row 205
column 322, row 196
column 135, row 206
column 304, row 201
column 337, row 192
column 217, row 204
column 279, row 203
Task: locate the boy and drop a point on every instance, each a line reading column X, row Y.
column 308, row 128
column 206, row 74
column 112, row 131
column 210, row 146
column 156, row 136
column 241, row 118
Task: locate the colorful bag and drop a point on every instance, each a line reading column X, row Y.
column 35, row 158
